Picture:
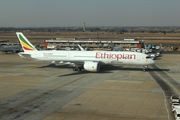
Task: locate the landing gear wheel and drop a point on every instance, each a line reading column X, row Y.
column 144, row 68
column 75, row 69
column 78, row 68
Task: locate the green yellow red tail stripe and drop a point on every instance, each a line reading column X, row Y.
column 26, row 45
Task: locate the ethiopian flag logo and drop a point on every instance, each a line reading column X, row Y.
column 25, row 44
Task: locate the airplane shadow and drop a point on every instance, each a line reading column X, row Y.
column 65, row 66
column 84, row 72
column 109, row 67
column 103, row 69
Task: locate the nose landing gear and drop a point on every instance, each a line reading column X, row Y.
column 144, row 68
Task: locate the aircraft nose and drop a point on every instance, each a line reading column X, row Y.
column 152, row 61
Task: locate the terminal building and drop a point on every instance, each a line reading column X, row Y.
column 93, row 44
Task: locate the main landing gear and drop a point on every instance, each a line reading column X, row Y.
column 78, row 68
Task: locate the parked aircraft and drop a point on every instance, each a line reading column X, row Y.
column 11, row 48
column 81, row 48
column 87, row 60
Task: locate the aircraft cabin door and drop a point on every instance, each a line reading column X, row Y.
column 69, row 55
column 138, row 58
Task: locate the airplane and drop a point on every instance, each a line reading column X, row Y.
column 87, row 60
column 81, row 48
column 11, row 48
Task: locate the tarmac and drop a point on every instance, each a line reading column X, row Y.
column 38, row 90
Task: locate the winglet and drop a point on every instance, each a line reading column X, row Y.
column 26, row 45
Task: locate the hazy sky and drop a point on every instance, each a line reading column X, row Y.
column 50, row 13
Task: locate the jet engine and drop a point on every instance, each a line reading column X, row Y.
column 91, row 66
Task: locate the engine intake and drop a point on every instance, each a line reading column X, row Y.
column 91, row 66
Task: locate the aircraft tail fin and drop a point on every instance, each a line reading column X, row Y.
column 26, row 45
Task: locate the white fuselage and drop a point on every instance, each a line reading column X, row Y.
column 103, row 57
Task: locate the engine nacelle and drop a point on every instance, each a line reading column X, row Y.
column 91, row 66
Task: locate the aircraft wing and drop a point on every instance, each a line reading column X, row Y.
column 76, row 62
